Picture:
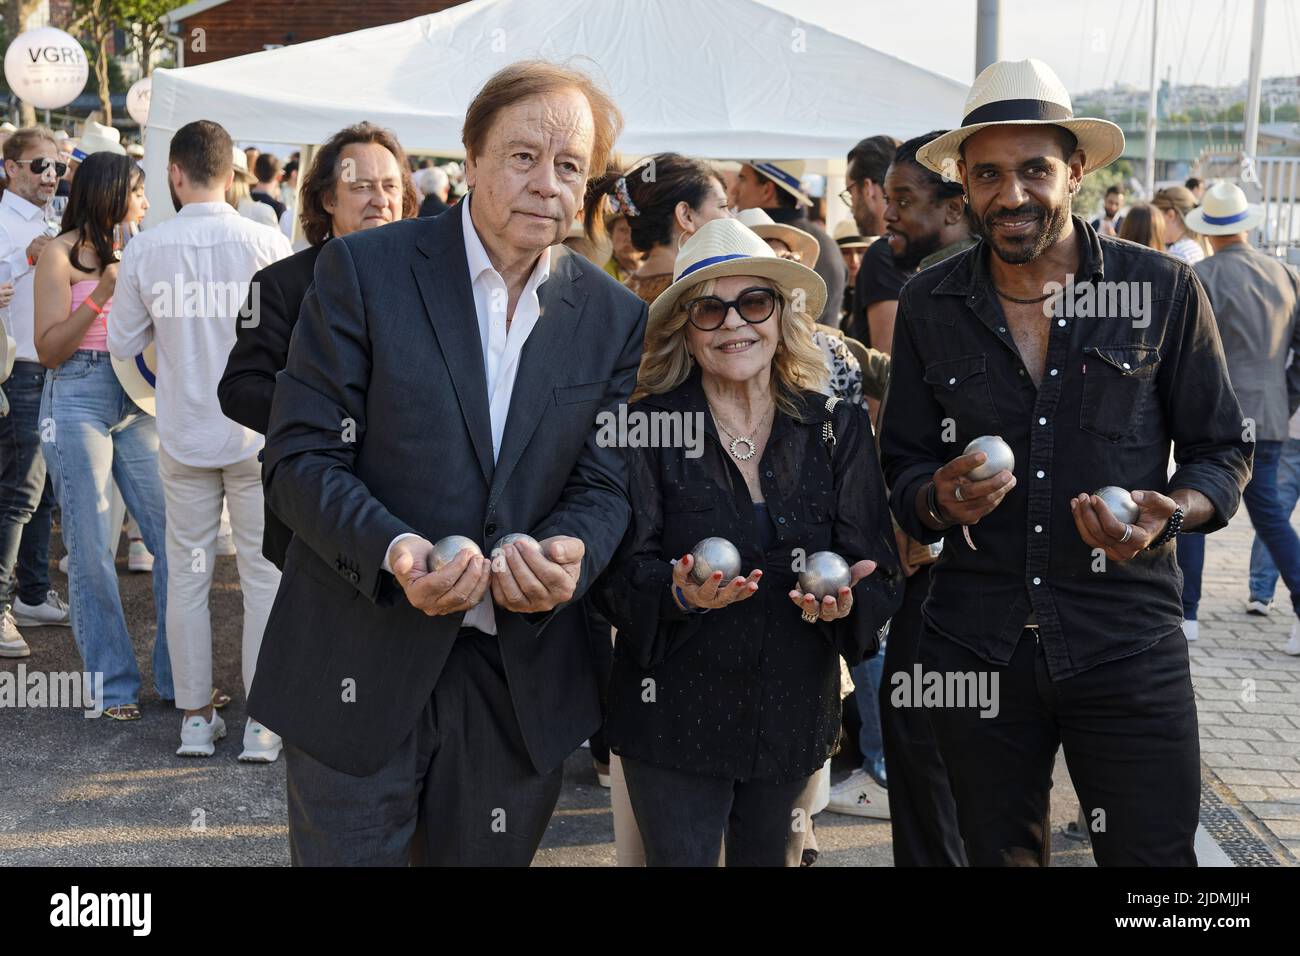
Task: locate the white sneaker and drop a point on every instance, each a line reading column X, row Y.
column 53, row 613
column 138, row 557
column 63, row 564
column 226, row 543
column 11, row 642
column 260, row 744
column 198, row 735
column 1293, row 645
column 858, row 795
column 1260, row 608
column 1191, row 630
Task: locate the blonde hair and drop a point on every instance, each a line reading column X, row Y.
column 798, row 364
column 1181, row 200
column 238, row 192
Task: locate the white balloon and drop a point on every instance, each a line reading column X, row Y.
column 137, row 100
column 46, row 68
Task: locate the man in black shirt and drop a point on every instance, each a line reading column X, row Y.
column 268, row 172
column 1090, row 357
column 865, row 196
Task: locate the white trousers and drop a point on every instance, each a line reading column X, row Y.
column 194, row 497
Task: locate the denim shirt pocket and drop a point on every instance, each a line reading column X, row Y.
column 961, row 386
column 1117, row 382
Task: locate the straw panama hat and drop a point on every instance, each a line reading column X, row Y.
column 97, row 138
column 7, row 357
column 138, row 378
column 786, row 173
column 240, row 162
column 727, row 247
column 846, row 235
column 1022, row 93
column 804, row 243
column 1223, row 212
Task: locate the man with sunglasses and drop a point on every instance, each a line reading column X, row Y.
column 32, row 172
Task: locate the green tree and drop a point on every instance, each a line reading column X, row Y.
column 95, row 21
column 146, row 26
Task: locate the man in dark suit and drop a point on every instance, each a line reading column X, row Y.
column 445, row 378
column 358, row 180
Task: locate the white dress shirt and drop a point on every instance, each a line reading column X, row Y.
column 181, row 285
column 501, row 353
column 20, row 223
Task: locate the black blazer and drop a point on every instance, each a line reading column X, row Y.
column 261, row 349
column 380, row 426
column 749, row 691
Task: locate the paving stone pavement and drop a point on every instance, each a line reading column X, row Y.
column 1248, row 692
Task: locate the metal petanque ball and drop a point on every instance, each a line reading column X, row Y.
column 1000, row 457
column 514, row 538
column 445, row 551
column 1120, row 503
column 824, row 573
column 714, row 554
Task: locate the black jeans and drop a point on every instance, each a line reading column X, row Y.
column 26, row 498
column 1129, row 732
column 460, row 790
column 684, row 817
column 922, row 813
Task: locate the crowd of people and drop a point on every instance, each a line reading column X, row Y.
column 432, row 358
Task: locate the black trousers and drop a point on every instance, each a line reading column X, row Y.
column 1129, row 733
column 460, row 791
column 684, row 818
column 922, row 812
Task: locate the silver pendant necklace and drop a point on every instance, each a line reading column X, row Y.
column 749, row 441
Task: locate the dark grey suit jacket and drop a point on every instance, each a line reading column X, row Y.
column 380, row 426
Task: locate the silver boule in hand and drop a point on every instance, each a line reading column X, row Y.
column 445, row 551
column 1000, row 457
column 499, row 549
column 516, row 537
column 714, row 554
column 824, row 573
column 1120, row 503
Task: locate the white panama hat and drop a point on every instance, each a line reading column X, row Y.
column 138, row 378
column 804, row 243
column 1223, row 211
column 727, row 247
column 1022, row 93
column 97, row 138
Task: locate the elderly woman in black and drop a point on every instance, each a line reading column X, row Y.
column 725, row 696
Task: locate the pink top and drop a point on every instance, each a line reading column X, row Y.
column 96, row 338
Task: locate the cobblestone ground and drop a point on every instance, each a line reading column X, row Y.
column 1248, row 693
column 94, row 792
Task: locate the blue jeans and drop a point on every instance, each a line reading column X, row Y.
column 1263, row 572
column 1191, row 559
column 97, row 436
column 866, row 694
column 25, row 496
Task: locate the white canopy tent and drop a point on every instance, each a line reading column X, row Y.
column 727, row 79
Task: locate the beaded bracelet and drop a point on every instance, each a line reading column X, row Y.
column 1171, row 530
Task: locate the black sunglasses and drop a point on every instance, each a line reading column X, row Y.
column 40, row 164
column 754, row 305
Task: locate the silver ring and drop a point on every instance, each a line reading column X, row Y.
column 1128, row 533
column 956, row 493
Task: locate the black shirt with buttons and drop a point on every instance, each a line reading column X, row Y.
column 1118, row 389
column 749, row 691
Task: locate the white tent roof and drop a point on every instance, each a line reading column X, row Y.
column 723, row 79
